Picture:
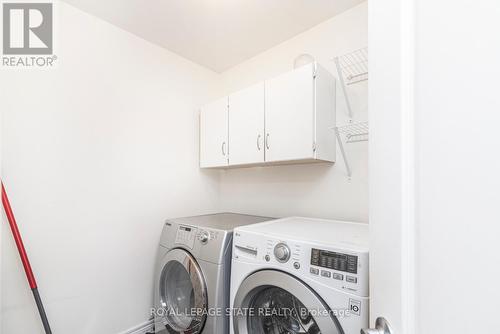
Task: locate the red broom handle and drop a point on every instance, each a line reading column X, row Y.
column 24, row 259
column 18, row 239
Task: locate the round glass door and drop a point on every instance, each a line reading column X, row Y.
column 280, row 312
column 183, row 294
column 273, row 302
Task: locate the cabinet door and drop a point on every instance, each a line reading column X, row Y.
column 246, row 126
column 290, row 115
column 214, row 145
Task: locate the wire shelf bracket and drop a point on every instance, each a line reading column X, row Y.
column 352, row 68
column 348, row 134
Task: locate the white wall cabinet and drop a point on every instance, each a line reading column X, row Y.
column 214, row 143
column 286, row 119
column 246, row 124
column 290, row 116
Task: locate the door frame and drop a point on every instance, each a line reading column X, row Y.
column 392, row 163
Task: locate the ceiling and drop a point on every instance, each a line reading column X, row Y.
column 217, row 34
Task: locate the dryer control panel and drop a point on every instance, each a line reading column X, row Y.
column 204, row 243
column 186, row 235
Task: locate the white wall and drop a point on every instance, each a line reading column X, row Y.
column 96, row 153
column 309, row 190
column 457, row 165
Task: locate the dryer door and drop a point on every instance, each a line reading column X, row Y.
column 183, row 293
column 273, row 302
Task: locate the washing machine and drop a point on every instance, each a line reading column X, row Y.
column 193, row 271
column 300, row 275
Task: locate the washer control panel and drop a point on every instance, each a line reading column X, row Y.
column 282, row 252
column 335, row 261
column 348, row 271
column 337, row 266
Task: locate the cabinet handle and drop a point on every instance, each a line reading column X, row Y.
column 258, row 142
column 267, row 141
column 224, row 148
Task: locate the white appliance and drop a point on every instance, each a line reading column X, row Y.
column 192, row 273
column 300, row 275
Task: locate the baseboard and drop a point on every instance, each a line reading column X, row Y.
column 145, row 327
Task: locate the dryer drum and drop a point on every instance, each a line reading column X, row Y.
column 182, row 290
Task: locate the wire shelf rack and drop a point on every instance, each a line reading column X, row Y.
column 354, row 132
column 348, row 134
column 352, row 68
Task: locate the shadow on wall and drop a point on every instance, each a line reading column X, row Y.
column 315, row 190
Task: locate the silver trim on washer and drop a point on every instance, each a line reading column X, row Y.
column 261, row 280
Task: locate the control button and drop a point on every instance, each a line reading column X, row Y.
column 296, row 265
column 204, row 236
column 325, row 273
column 351, row 279
column 340, row 277
column 314, row 271
column 282, row 252
column 267, row 257
column 343, row 266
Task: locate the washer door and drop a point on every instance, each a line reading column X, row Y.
column 273, row 302
column 183, row 293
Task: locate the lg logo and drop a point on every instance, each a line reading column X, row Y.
column 27, row 29
column 355, row 306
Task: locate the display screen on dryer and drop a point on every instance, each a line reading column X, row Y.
column 335, row 261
